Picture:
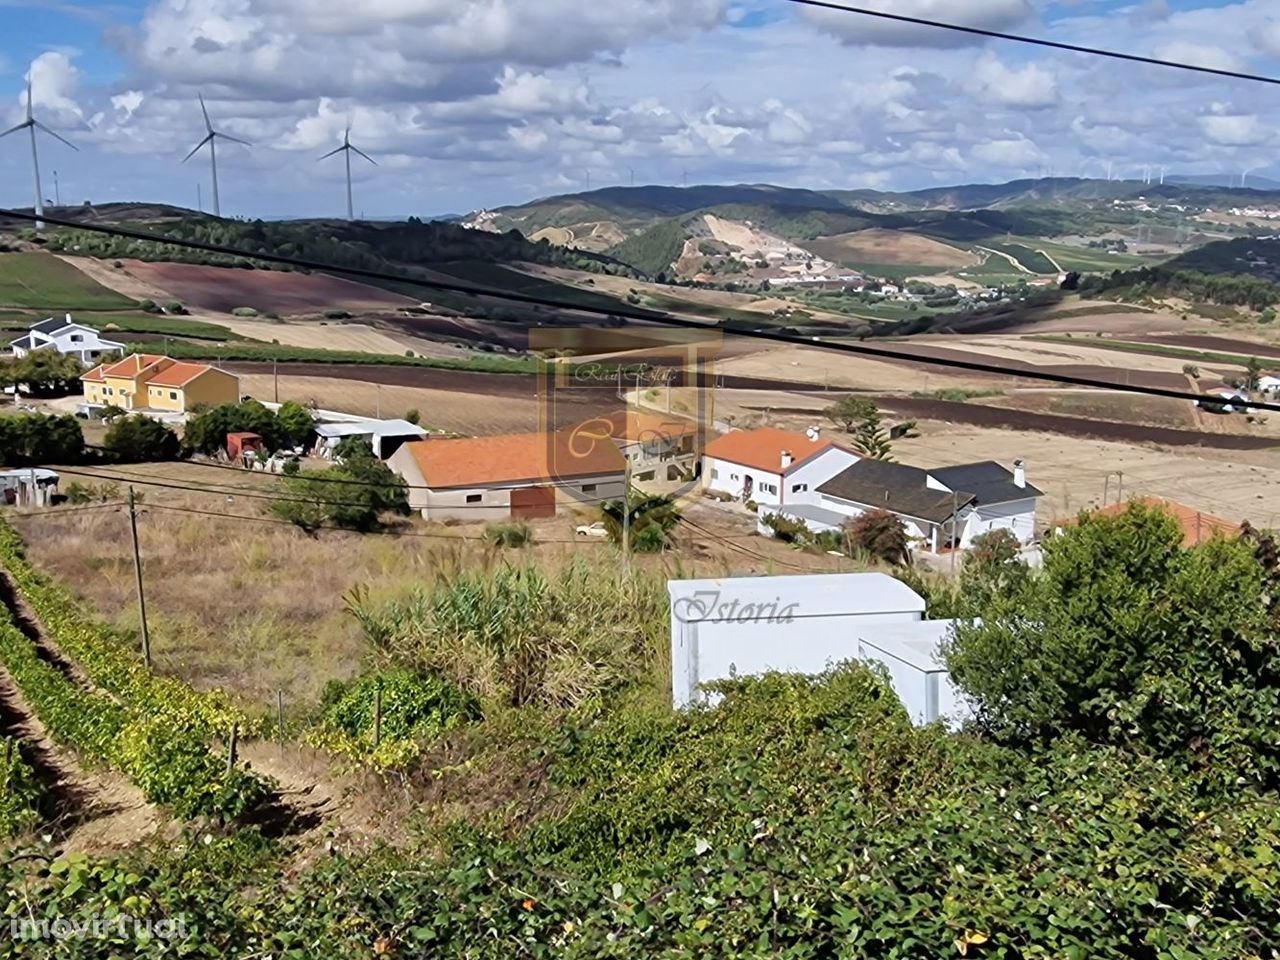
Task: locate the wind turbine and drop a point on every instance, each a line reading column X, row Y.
column 346, row 149
column 31, row 124
column 210, row 137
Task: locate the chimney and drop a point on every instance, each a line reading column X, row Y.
column 813, row 433
column 786, row 459
column 1019, row 474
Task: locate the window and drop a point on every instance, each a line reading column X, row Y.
column 715, row 474
column 799, row 487
column 173, row 394
column 733, row 476
column 76, row 338
column 474, row 497
column 588, row 488
column 107, row 391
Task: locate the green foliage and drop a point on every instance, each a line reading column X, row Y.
column 849, row 411
column 20, row 792
column 175, row 308
column 508, row 535
column 653, row 251
column 30, row 439
column 82, row 493
column 141, row 439
column 651, row 522
column 1127, row 638
column 38, row 281
column 207, row 432
column 43, row 372
column 1173, row 280
column 353, row 494
column 413, row 416
column 880, row 534
column 515, row 635
column 416, row 710
column 244, row 312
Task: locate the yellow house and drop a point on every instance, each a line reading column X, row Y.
column 147, row 381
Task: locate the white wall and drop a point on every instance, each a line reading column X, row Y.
column 1017, row 516
column 731, row 478
column 816, row 471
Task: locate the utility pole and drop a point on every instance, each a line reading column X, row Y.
column 57, row 196
column 626, row 521
column 955, row 540
column 275, row 377
column 378, row 391
column 137, row 572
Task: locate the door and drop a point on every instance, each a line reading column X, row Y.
column 533, row 503
column 748, row 487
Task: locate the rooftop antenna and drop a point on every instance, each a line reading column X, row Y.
column 31, row 124
column 346, row 150
column 210, row 137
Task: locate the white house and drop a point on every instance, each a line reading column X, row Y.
column 746, row 626
column 1269, row 385
column 384, row 436
column 772, row 466
column 941, row 507
column 65, row 336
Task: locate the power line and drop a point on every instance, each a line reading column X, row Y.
column 659, row 319
column 1035, row 41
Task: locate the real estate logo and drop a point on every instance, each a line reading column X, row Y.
column 638, row 403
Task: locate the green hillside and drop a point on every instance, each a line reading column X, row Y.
column 655, row 250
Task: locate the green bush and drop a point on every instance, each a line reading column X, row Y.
column 20, row 792
column 175, row 308
column 508, row 535
column 30, row 439
column 141, row 439
column 244, row 312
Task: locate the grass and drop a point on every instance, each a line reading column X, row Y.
column 262, row 352
column 1027, row 256
column 1152, row 349
column 1084, row 259
column 40, row 281
column 957, row 394
column 110, row 323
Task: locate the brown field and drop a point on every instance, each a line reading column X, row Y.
column 223, row 289
column 329, row 335
column 890, row 247
column 255, row 607
column 1097, row 405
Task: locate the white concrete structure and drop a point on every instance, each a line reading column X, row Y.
column 385, row 436
column 772, row 466
column 1269, row 385
column 817, row 519
column 63, row 335
column 741, row 626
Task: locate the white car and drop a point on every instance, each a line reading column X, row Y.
column 592, row 530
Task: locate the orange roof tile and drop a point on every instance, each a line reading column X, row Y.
column 132, row 365
column 179, row 374
column 763, row 448
column 638, row 425
column 513, row 458
column 95, row 374
column 1196, row 526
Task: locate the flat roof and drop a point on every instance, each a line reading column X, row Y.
column 813, row 595
column 808, row 511
column 916, row 643
column 372, row 428
column 25, row 473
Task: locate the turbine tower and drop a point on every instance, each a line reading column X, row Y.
column 347, row 149
column 210, row 137
column 31, row 125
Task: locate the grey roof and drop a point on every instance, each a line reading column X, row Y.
column 370, row 428
column 22, row 341
column 894, row 487
column 50, row 325
column 807, row 511
column 987, row 480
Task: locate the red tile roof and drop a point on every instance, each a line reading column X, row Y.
column 95, row 374
column 513, row 458
column 133, row 365
column 1196, row 526
column 179, row 374
column 763, row 448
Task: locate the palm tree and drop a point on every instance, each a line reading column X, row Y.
column 652, row 517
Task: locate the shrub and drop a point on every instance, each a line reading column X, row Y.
column 244, row 312
column 148, row 306
column 413, row 416
column 176, row 308
column 141, row 439
column 880, row 534
column 20, row 792
column 652, row 520
column 29, row 439
column 508, row 535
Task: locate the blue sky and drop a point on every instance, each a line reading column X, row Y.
column 468, row 105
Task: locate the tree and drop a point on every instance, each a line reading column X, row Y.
column 870, row 437
column 1191, row 370
column 993, row 567
column 413, row 416
column 387, row 489
column 140, row 439
column 652, row 519
column 1252, row 374
column 343, row 496
column 1071, row 281
column 295, row 423
column 1127, row 638
column 849, row 411
column 31, row 439
column 879, row 533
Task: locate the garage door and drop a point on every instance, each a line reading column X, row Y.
column 533, row 503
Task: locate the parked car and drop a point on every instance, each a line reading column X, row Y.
column 592, row 530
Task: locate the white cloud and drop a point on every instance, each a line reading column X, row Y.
column 858, row 29
column 1009, row 153
column 1198, row 54
column 1236, row 130
column 1031, row 87
column 1267, row 38
column 55, row 82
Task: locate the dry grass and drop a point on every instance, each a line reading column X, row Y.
column 892, row 247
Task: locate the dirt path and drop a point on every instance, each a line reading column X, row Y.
column 1012, row 260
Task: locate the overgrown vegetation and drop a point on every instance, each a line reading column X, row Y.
column 20, row 792
column 1169, row 281
column 30, row 439
column 140, row 439
column 292, row 425
column 353, row 494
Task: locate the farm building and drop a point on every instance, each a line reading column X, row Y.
column 29, row 486
column 147, row 383
column 65, row 336
column 772, row 466
column 242, row 446
column 746, row 626
column 523, row 475
column 942, row 507
column 658, row 446
column 1197, row 527
column 384, row 436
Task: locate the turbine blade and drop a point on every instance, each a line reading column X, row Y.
column 331, row 153
column 203, row 109
column 21, row 126
column 196, row 148
column 227, row 136
column 57, row 136
column 29, row 114
column 365, row 155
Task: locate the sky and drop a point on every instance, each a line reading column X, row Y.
column 472, row 104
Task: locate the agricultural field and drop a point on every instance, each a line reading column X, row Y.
column 40, row 281
column 892, row 248
column 224, row 289
column 1085, row 259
